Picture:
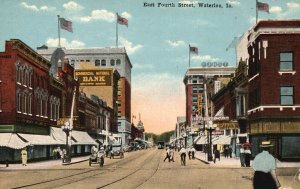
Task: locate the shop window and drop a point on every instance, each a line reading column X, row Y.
column 287, row 95
column 286, row 61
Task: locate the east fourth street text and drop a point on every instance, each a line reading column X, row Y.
column 187, row 5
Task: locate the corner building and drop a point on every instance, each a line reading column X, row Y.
column 274, row 86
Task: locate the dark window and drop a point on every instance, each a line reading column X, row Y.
column 287, row 95
column 286, row 61
column 103, row 62
column 112, row 62
column 97, row 62
column 118, row 62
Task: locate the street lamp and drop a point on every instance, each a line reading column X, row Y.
column 67, row 129
column 209, row 129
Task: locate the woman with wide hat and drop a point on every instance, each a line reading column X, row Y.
column 264, row 165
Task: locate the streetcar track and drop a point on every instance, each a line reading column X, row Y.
column 128, row 175
column 74, row 175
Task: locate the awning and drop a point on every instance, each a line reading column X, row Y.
column 82, row 138
column 58, row 134
column 202, row 140
column 12, row 140
column 40, row 139
column 224, row 140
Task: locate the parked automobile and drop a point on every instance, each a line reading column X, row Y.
column 116, row 150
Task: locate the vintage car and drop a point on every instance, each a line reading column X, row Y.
column 116, row 150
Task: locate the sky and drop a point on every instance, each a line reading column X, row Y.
column 157, row 40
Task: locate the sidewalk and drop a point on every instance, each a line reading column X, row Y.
column 235, row 162
column 42, row 164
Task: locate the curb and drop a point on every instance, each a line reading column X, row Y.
column 204, row 161
column 65, row 164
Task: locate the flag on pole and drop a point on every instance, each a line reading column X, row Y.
column 233, row 43
column 65, row 24
column 262, row 7
column 122, row 21
column 194, row 50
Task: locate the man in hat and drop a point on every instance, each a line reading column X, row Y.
column 264, row 165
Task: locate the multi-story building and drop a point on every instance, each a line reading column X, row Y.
column 116, row 58
column 35, row 104
column 194, row 81
column 274, row 87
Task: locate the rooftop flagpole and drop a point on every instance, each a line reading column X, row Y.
column 189, row 55
column 256, row 12
column 58, row 28
column 117, row 31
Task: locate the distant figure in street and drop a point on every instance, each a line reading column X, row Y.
column 182, row 153
column 167, row 154
column 54, row 153
column 58, row 153
column 171, row 152
column 24, row 156
column 226, row 152
column 193, row 152
column 242, row 156
column 190, row 152
column 217, row 155
column 264, row 165
column 247, row 153
column 230, row 152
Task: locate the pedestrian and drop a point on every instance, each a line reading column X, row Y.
column 24, row 156
column 190, row 152
column 217, row 155
column 54, row 153
column 58, row 153
column 171, row 154
column 247, row 153
column 167, row 154
column 226, row 152
column 182, row 153
column 193, row 152
column 230, row 151
column 264, row 165
column 242, row 156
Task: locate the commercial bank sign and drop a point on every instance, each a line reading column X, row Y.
column 94, row 77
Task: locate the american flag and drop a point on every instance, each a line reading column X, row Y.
column 65, row 24
column 122, row 21
column 262, row 7
column 194, row 50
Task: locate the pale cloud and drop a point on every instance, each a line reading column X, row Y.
column 51, row 42
column 130, row 48
column 126, row 15
column 36, row 8
column 103, row 15
column 71, row 5
column 159, row 102
column 275, row 10
column 143, row 66
column 234, row 2
column 206, row 58
column 293, row 6
column 176, row 43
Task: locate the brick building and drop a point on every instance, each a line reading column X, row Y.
column 274, row 87
column 34, row 105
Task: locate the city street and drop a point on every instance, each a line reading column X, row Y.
column 140, row 169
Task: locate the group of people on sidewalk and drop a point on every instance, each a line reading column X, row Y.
column 182, row 152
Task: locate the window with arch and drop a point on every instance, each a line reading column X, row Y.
column 19, row 101
column 118, row 62
column 112, row 62
column 25, row 103
column 103, row 62
column 30, row 104
column 97, row 62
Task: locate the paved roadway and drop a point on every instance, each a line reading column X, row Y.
column 142, row 169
